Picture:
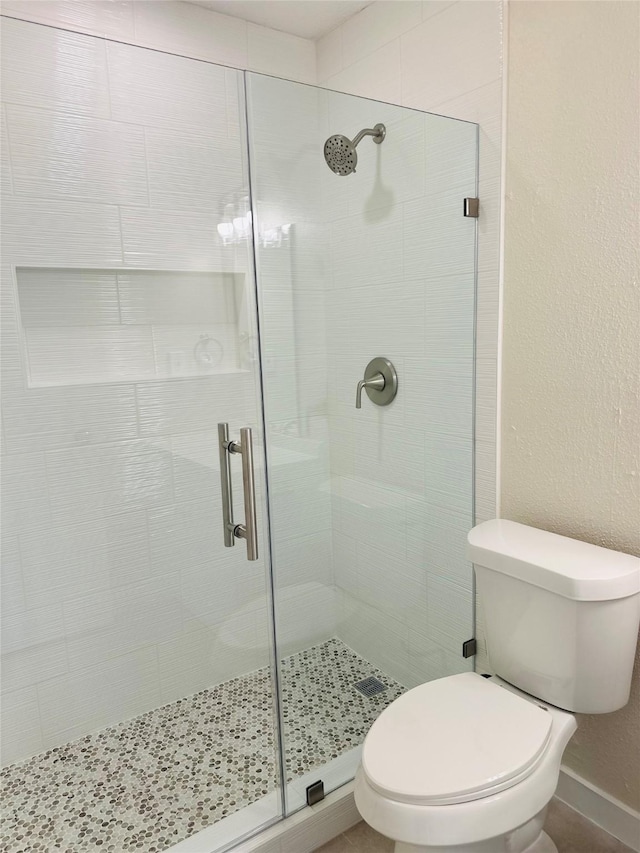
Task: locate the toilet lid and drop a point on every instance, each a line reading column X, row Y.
column 455, row 739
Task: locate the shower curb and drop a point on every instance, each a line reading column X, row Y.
column 310, row 828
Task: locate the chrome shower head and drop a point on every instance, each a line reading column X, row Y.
column 340, row 152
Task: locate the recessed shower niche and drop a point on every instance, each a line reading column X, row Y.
column 86, row 326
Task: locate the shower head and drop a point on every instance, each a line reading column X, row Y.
column 340, row 152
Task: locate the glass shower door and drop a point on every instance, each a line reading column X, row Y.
column 369, row 506
column 136, row 646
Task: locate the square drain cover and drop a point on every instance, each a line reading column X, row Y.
column 370, row 686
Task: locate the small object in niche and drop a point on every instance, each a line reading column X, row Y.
column 208, row 352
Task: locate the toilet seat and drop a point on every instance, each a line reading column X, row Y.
column 454, row 740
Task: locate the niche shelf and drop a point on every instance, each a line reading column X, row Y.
column 92, row 326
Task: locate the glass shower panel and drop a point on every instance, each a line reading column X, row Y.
column 369, row 507
column 136, row 647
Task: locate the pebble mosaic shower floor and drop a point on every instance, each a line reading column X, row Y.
column 147, row 783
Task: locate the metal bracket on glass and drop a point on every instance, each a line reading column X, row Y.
column 249, row 530
column 472, row 207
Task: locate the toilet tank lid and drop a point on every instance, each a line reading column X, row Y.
column 567, row 567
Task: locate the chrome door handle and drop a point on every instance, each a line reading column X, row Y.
column 249, row 530
column 225, row 485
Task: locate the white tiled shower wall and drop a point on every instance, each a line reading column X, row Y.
column 452, row 71
column 443, row 57
column 117, row 594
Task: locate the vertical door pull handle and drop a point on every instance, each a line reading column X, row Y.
column 249, row 530
column 225, row 485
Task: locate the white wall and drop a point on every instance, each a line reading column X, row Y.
column 444, row 57
column 572, row 308
column 179, row 28
column 117, row 594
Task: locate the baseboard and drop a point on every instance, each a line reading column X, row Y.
column 600, row 808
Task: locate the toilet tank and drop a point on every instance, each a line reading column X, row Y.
column 561, row 616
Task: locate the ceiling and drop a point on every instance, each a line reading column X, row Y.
column 309, row 19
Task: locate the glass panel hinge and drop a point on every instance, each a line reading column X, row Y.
column 469, row 648
column 472, row 207
column 315, row 793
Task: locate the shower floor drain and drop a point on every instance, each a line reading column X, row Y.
column 370, row 686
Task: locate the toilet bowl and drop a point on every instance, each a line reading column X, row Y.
column 466, row 764
column 463, row 764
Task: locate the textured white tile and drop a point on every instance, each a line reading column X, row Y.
column 369, row 513
column 113, row 19
column 60, row 233
column 449, row 613
column 12, row 595
column 329, row 55
column 192, row 31
column 366, row 253
column 379, row 459
column 5, row 175
column 380, row 637
column 172, row 298
column 345, row 561
column 303, row 559
column 436, row 542
column 21, row 733
column 167, row 239
column 376, row 76
column 54, row 297
column 429, row 661
column 108, row 166
column 196, row 465
column 53, row 69
column 205, row 656
column 217, row 591
column 104, row 625
column 69, row 417
column 449, row 316
column 61, row 562
column 377, row 24
column 33, row 664
column 306, row 616
column 76, row 355
column 159, row 90
column 280, row 54
column 188, row 535
column 298, row 505
column 192, row 405
column 37, row 627
column 438, row 393
column 385, row 585
column 189, row 171
column 11, row 363
column 24, row 493
column 448, row 471
column 90, row 481
column 90, row 699
column 464, row 39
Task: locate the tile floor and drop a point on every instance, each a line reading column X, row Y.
column 147, row 783
column 571, row 832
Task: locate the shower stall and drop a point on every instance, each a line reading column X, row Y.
column 217, row 571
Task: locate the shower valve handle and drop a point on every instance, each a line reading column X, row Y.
column 376, row 382
column 380, row 382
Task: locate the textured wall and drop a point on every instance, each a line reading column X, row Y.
column 117, row 593
column 571, row 384
column 446, row 58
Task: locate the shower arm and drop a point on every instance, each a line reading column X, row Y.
column 377, row 132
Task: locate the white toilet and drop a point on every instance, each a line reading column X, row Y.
column 468, row 764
